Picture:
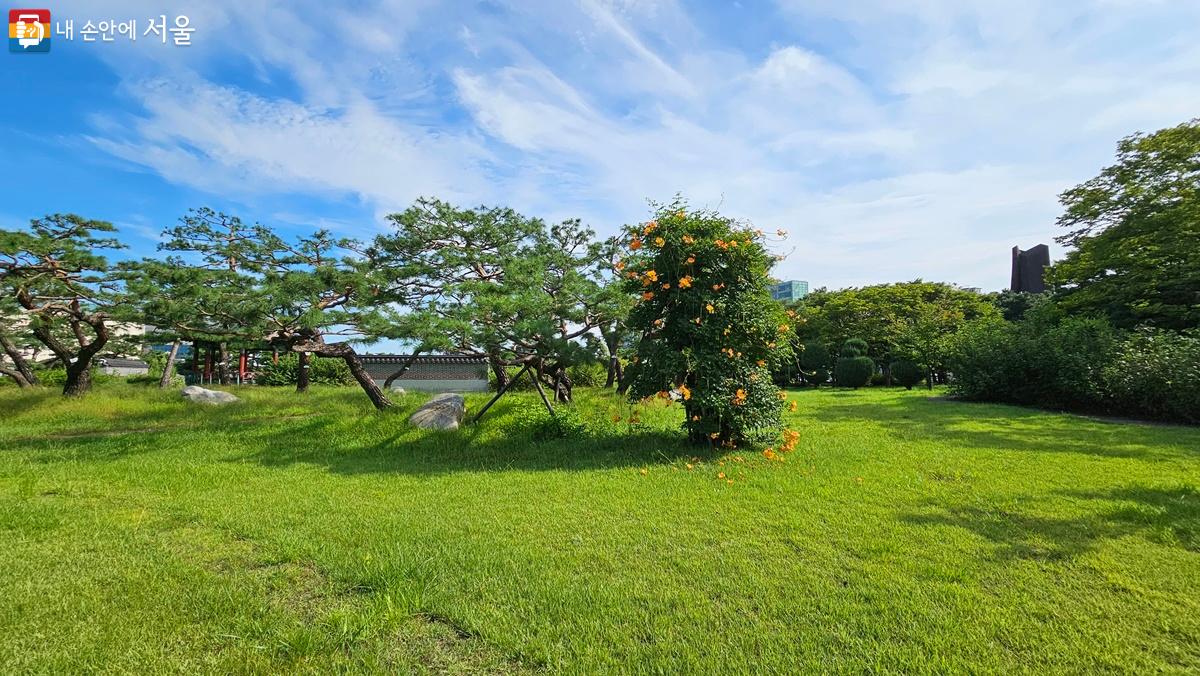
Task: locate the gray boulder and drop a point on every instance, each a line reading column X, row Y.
column 200, row 395
column 443, row 412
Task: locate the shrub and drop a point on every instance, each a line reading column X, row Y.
column 535, row 422
column 853, row 371
column 592, row 374
column 815, row 356
column 153, row 379
column 321, row 371
column 57, row 377
column 906, row 372
column 818, row 377
column 524, row 384
column 878, row 379
column 1042, row 361
column 1079, row 364
column 1156, row 373
column 711, row 335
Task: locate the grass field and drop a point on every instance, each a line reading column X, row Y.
column 309, row 533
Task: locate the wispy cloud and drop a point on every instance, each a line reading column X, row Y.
column 895, row 141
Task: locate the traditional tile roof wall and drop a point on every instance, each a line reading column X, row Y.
column 427, row 367
column 120, row 362
column 422, row 359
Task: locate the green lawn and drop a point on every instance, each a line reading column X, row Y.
column 309, row 533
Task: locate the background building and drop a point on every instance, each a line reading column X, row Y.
column 1028, row 268
column 790, row 290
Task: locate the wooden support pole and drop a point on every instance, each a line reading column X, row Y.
column 538, row 384
column 499, row 394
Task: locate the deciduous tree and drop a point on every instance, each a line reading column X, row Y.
column 1135, row 229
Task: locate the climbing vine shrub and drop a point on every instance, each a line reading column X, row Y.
column 710, row 334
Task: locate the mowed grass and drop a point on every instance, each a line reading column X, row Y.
column 310, row 533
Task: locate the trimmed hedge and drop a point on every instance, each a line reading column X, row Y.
column 906, row 372
column 855, row 347
column 853, row 371
column 815, row 361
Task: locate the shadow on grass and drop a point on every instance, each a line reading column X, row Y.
column 997, row 427
column 18, row 402
column 1167, row 515
column 346, row 436
column 470, row 449
column 370, row 442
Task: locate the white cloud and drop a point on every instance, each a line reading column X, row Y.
column 926, row 141
column 225, row 140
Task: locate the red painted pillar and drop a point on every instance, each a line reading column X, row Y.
column 242, row 368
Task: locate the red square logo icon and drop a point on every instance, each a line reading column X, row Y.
column 29, row 30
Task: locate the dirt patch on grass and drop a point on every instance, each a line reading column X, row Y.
column 439, row 646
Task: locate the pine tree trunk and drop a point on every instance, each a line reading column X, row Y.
column 169, row 368
column 18, row 360
column 79, row 378
column 346, row 353
column 611, row 342
column 614, row 365
column 16, row 376
column 499, row 370
column 223, row 363
column 197, row 374
column 302, row 373
column 563, row 386
column 376, row 395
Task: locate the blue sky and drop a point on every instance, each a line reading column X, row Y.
column 893, row 143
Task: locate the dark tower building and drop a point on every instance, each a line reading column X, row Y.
column 1027, row 268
